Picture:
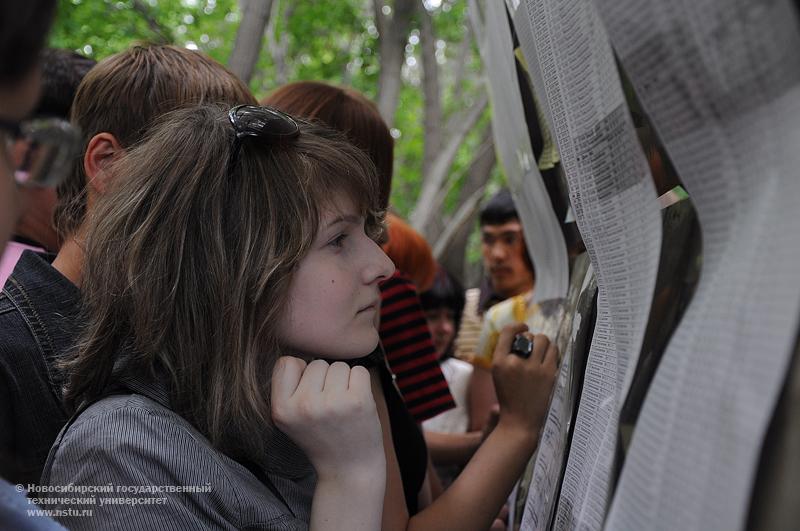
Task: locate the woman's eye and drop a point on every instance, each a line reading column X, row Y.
column 338, row 241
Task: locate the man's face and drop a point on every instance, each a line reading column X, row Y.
column 16, row 102
column 503, row 249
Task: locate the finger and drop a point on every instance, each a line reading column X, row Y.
column 313, row 379
column 360, row 380
column 540, row 345
column 285, row 377
column 503, row 515
column 338, row 377
column 551, row 356
column 506, row 337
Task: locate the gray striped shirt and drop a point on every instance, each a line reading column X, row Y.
column 130, row 462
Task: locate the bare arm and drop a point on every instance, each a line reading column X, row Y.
column 473, row 501
column 452, row 448
column 434, row 482
column 333, row 506
column 482, row 398
column 329, row 411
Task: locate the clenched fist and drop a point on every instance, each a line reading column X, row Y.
column 523, row 385
column 328, row 410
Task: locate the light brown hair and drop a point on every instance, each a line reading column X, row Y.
column 125, row 92
column 189, row 261
column 348, row 111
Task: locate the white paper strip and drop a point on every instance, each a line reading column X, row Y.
column 549, row 457
column 615, row 205
column 543, row 235
column 720, row 79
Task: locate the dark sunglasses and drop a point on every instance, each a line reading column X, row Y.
column 41, row 150
column 264, row 123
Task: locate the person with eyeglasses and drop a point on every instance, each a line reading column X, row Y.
column 23, row 31
column 43, row 156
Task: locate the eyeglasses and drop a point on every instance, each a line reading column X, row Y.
column 41, row 150
column 265, row 123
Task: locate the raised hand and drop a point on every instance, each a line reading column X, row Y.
column 328, row 410
column 524, row 386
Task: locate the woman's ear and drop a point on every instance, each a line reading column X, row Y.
column 101, row 151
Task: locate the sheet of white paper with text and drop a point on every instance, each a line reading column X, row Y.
column 614, row 200
column 550, row 452
column 720, row 79
column 543, row 235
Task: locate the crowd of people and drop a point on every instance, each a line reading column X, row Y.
column 208, row 319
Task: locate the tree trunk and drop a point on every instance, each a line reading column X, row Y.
column 431, row 92
column 435, row 179
column 450, row 247
column 393, row 34
column 255, row 15
column 461, row 62
column 279, row 44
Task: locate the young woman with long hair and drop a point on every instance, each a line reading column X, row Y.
column 473, row 501
column 227, row 276
column 235, row 237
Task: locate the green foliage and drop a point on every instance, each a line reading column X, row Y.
column 331, row 40
column 99, row 28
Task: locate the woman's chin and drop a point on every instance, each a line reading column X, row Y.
column 354, row 351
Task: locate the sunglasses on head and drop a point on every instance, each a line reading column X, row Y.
column 41, row 150
column 265, row 123
column 262, row 122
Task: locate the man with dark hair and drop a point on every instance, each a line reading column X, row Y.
column 510, row 279
column 61, row 73
column 40, row 303
column 505, row 255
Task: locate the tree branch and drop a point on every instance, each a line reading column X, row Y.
column 450, row 246
column 461, row 63
column 461, row 217
column 432, row 121
column 278, row 47
column 434, row 180
column 476, row 19
column 255, row 15
column 164, row 36
column 487, row 144
column 392, row 40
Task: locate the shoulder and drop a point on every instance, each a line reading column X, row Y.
column 25, row 369
column 38, row 314
column 158, row 471
column 515, row 309
column 11, row 318
column 125, row 436
column 18, row 345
